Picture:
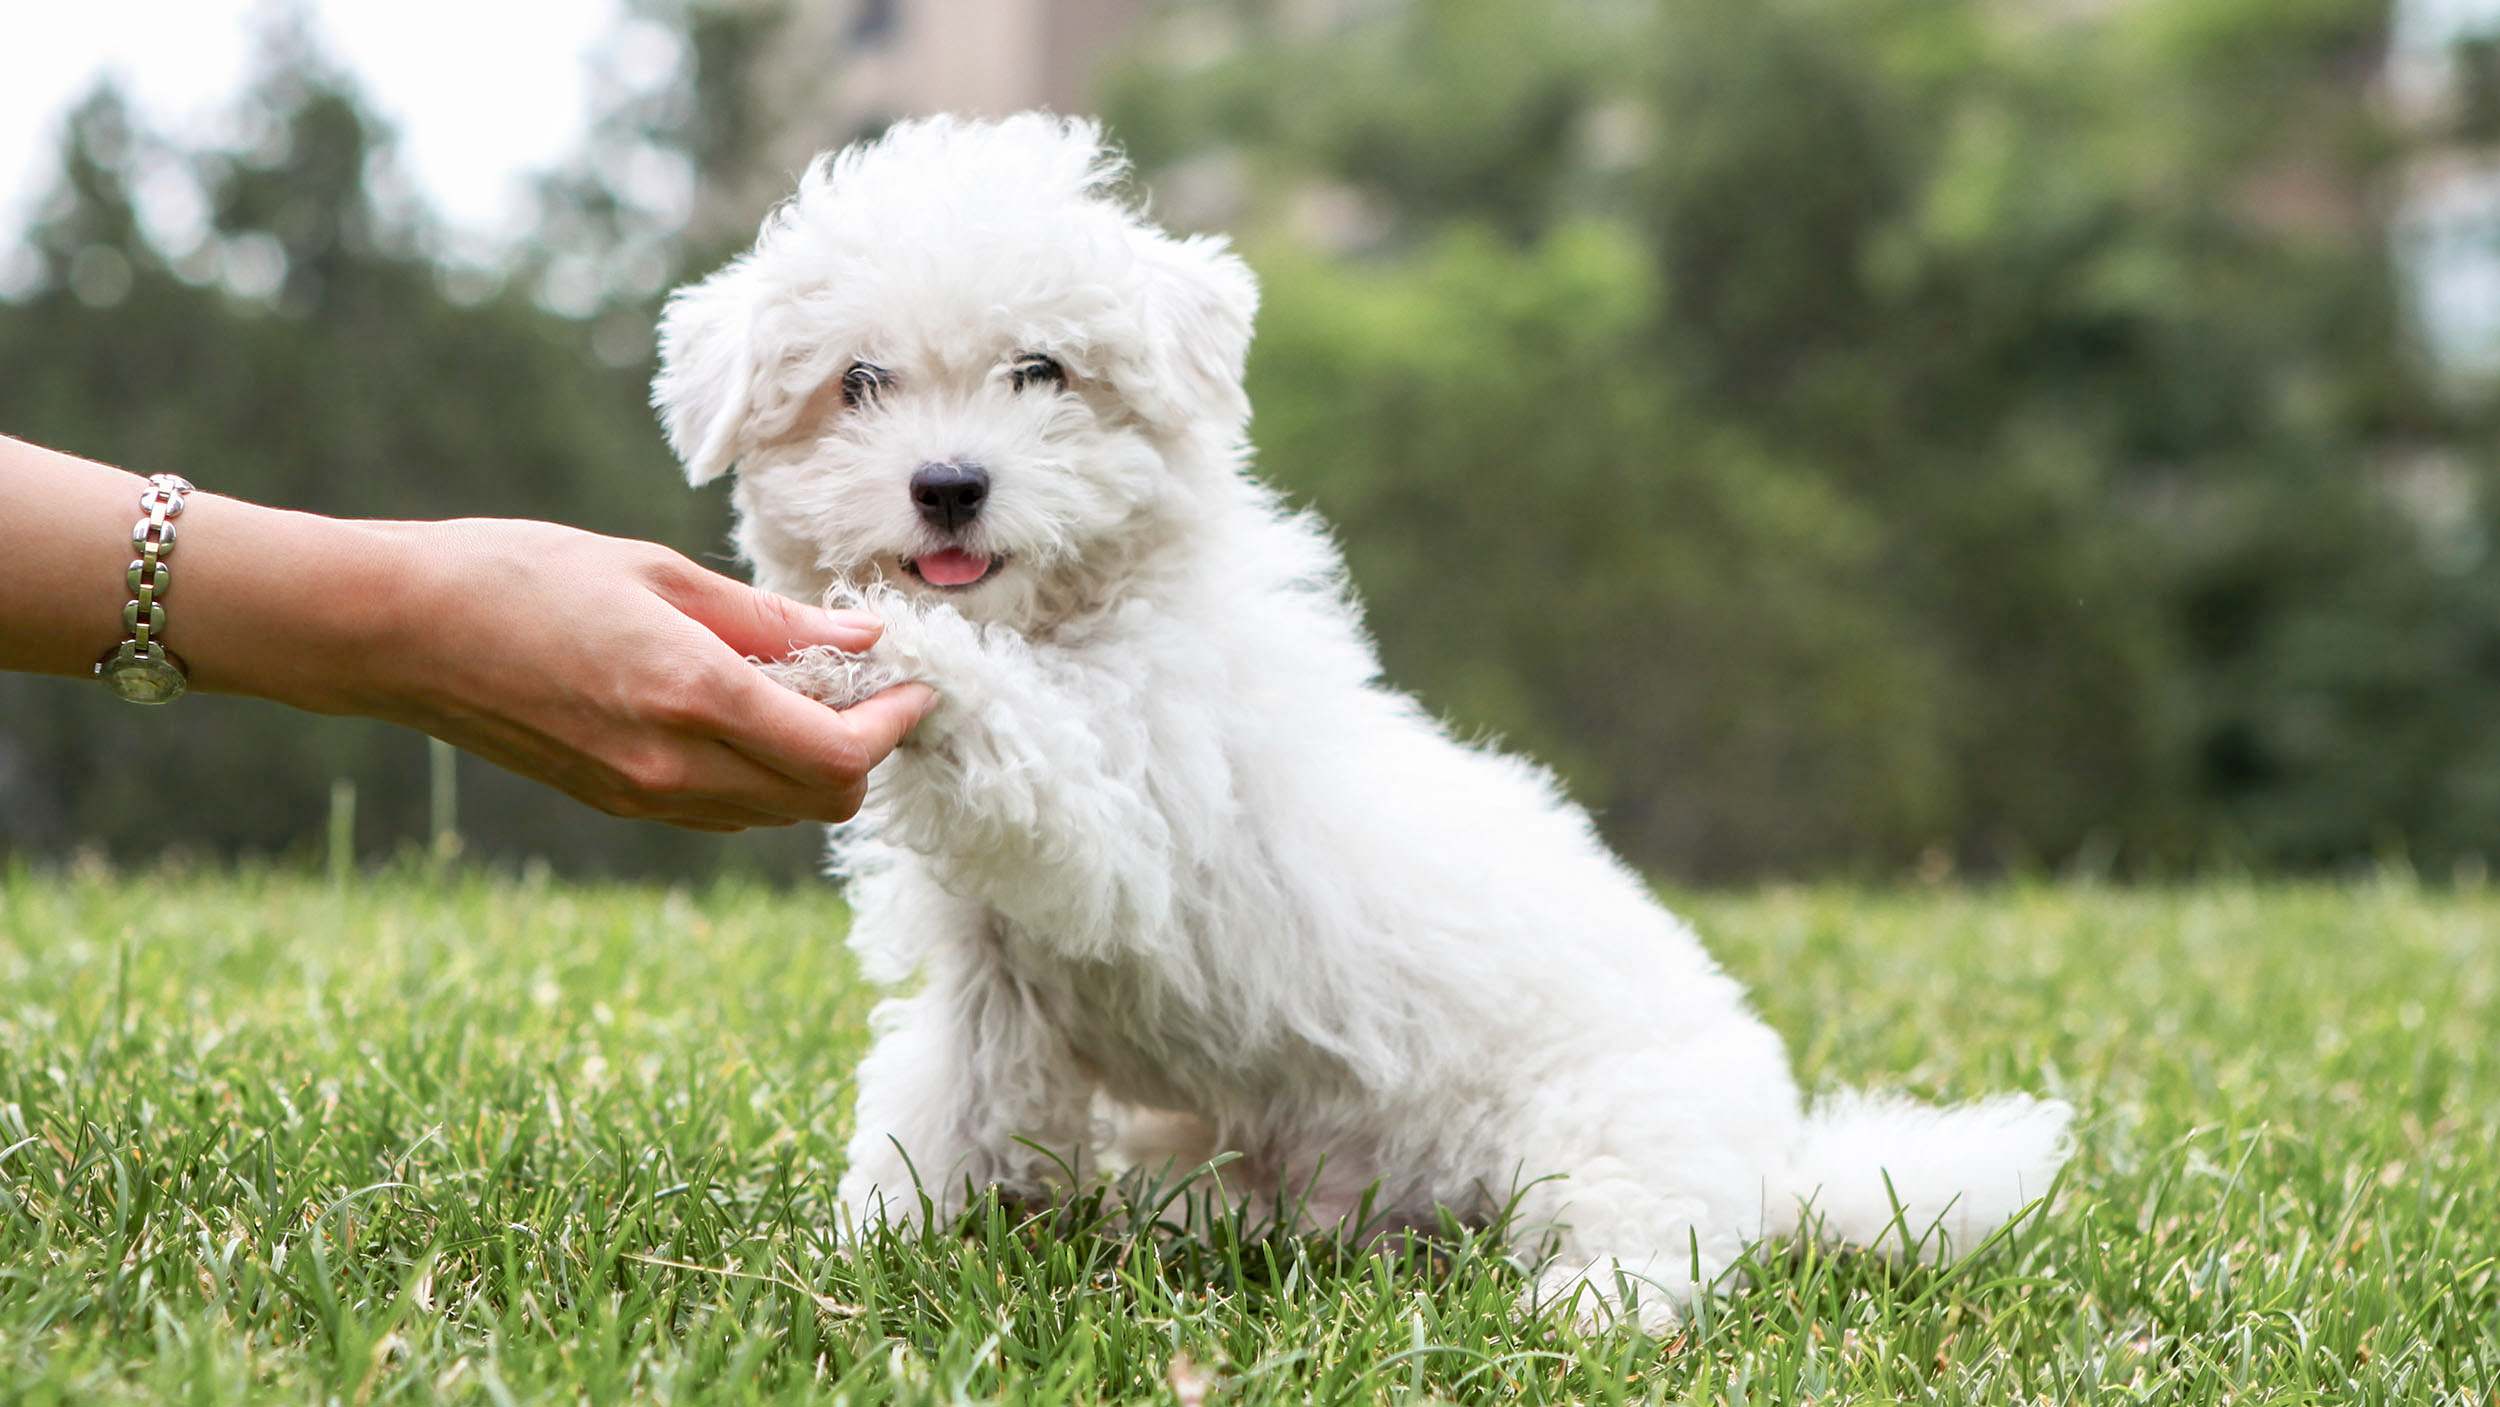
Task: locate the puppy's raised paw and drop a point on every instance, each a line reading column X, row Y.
column 839, row 678
column 931, row 644
column 835, row 677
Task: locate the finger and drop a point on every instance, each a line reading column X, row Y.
column 757, row 795
column 762, row 625
column 720, row 790
column 826, row 750
column 882, row 722
column 717, row 777
column 734, row 810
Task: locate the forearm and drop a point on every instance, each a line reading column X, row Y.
column 617, row 670
column 231, row 615
column 66, row 539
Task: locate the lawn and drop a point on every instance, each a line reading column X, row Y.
column 496, row 1141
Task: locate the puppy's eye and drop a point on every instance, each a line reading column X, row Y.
column 862, row 383
column 1033, row 369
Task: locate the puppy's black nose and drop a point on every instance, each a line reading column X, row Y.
column 950, row 495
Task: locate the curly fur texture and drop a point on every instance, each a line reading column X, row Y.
column 1168, row 851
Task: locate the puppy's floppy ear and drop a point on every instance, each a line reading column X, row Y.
column 1196, row 309
column 706, row 389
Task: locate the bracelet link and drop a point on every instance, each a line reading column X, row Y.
column 150, row 574
column 141, row 669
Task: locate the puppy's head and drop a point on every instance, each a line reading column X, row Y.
column 956, row 361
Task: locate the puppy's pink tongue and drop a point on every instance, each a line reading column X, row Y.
column 952, row 567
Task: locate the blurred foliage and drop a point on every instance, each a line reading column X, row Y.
column 1853, row 428
column 306, row 354
column 1567, row 579
column 1831, row 432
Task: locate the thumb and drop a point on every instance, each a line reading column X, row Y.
column 766, row 626
column 879, row 724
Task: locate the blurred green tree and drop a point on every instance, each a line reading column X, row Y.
column 2139, row 525
column 1561, row 548
column 307, row 353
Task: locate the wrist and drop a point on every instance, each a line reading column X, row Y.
column 288, row 606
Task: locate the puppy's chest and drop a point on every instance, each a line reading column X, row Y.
column 1161, row 1028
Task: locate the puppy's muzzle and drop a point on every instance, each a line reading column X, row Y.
column 950, row 495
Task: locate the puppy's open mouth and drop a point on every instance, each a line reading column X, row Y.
column 953, row 568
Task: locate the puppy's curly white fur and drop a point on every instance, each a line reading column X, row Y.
column 1167, row 842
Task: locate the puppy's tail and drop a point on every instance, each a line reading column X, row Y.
column 1891, row 1173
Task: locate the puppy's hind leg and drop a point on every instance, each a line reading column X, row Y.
column 1664, row 1156
column 1624, row 1251
column 965, row 1087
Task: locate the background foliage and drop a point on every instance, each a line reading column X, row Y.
column 1829, row 431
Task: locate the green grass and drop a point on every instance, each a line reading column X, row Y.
column 492, row 1141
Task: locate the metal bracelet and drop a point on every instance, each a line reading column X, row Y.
column 141, row 669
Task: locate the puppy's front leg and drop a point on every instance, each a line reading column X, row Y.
column 1032, row 787
column 965, row 1087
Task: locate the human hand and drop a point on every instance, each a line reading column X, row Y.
column 612, row 669
column 620, row 672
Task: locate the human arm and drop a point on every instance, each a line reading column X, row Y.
column 612, row 669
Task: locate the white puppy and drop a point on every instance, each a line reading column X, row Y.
column 1168, row 848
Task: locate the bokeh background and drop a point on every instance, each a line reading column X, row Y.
column 1853, row 437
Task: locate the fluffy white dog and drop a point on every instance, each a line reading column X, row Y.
column 1173, row 870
